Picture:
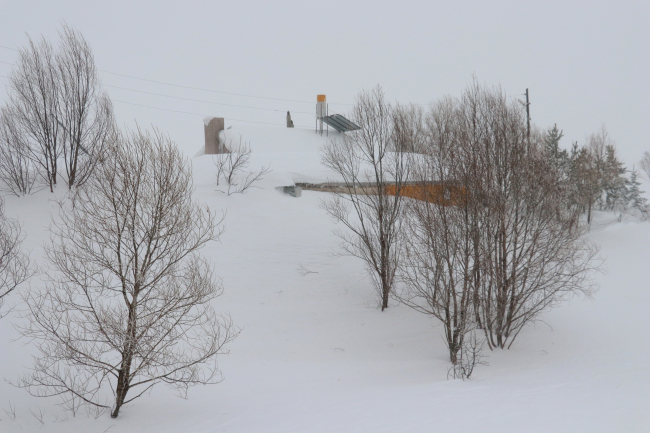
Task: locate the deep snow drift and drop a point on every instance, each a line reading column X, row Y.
column 316, row 354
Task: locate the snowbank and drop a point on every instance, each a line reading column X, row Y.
column 317, row 355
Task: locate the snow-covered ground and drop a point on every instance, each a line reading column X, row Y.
column 316, row 354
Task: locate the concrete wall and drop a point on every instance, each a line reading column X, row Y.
column 212, row 143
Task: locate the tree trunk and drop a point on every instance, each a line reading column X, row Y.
column 124, row 379
column 122, row 389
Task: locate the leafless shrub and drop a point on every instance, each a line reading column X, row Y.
column 470, row 355
column 17, row 171
column 11, row 411
column 96, row 411
column 232, row 168
column 507, row 248
column 531, row 252
column 60, row 418
column 439, row 262
column 128, row 299
column 369, row 161
column 38, row 415
column 15, row 266
column 304, row 271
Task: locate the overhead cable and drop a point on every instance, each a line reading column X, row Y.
column 199, row 100
column 196, row 114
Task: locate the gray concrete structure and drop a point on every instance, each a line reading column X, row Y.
column 213, row 144
column 293, row 190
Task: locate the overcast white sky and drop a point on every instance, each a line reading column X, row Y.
column 585, row 63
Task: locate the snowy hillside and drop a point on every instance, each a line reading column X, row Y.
column 315, row 354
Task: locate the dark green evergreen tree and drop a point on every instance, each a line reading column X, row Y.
column 635, row 195
column 613, row 183
column 558, row 157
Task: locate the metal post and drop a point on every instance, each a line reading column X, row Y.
column 528, row 115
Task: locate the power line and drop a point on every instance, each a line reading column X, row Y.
column 156, row 108
column 196, row 114
column 185, row 99
column 186, row 112
column 199, row 100
column 194, row 88
column 204, row 90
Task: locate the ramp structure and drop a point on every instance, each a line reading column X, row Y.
column 340, row 123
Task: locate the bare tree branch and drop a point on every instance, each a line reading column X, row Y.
column 15, row 266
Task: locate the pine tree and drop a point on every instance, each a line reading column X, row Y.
column 552, row 141
column 559, row 158
column 635, row 197
column 583, row 180
column 613, row 183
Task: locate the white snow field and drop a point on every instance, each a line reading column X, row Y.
column 315, row 354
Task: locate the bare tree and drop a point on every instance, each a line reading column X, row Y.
column 438, row 264
column 32, row 112
column 17, row 172
column 128, row 299
column 85, row 113
column 57, row 108
column 409, row 129
column 584, row 181
column 15, row 266
column 611, row 184
column 370, row 161
column 232, row 168
column 645, row 165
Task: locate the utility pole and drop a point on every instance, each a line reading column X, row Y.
column 527, row 105
column 528, row 114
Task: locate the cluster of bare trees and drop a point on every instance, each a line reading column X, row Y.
column 127, row 298
column 56, row 115
column 495, row 250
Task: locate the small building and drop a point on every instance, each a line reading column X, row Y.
column 442, row 193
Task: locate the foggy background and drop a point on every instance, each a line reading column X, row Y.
column 585, row 63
